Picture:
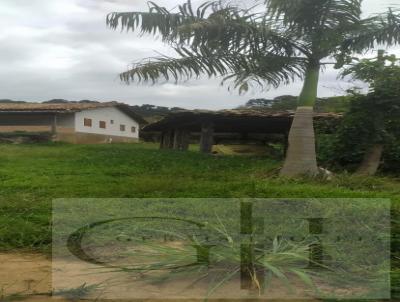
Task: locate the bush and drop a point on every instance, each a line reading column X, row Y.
column 362, row 127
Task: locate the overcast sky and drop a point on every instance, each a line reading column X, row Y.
column 63, row 49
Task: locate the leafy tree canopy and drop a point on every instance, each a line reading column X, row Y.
column 373, row 118
column 337, row 104
column 4, row 101
column 286, row 102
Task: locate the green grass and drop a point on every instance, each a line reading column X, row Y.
column 31, row 176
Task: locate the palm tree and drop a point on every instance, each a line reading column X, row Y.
column 273, row 43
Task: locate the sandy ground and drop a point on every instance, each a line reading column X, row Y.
column 28, row 277
column 24, row 275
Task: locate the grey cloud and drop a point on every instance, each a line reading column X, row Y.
column 63, row 49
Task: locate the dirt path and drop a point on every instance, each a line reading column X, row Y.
column 24, row 275
column 28, row 277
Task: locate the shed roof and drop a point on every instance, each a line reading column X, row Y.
column 235, row 120
column 66, row 108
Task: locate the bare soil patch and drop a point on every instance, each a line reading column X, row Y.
column 28, row 277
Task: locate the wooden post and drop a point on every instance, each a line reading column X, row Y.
column 185, row 140
column 170, row 140
column 54, row 125
column 167, row 140
column 181, row 140
column 162, row 140
column 207, row 137
column 177, row 139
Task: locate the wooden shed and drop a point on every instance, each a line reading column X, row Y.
column 177, row 127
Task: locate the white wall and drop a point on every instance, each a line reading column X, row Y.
column 106, row 115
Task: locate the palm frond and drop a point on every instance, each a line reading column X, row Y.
column 246, row 46
column 242, row 69
column 381, row 29
column 159, row 20
column 314, row 15
column 178, row 69
column 212, row 25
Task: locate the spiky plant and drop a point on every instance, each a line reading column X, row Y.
column 274, row 43
column 161, row 262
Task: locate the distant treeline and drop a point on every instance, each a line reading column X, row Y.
column 336, row 104
column 152, row 112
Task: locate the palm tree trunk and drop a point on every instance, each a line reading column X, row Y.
column 301, row 157
column 371, row 161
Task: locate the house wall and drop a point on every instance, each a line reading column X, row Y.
column 107, row 115
column 70, row 126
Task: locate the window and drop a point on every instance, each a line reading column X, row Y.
column 112, row 122
column 122, row 127
column 87, row 122
column 133, row 129
column 102, row 124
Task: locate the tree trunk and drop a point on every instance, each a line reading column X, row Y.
column 301, row 157
column 371, row 161
column 373, row 156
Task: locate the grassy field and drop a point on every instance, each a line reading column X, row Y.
column 31, row 176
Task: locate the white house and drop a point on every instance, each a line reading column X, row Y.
column 73, row 122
